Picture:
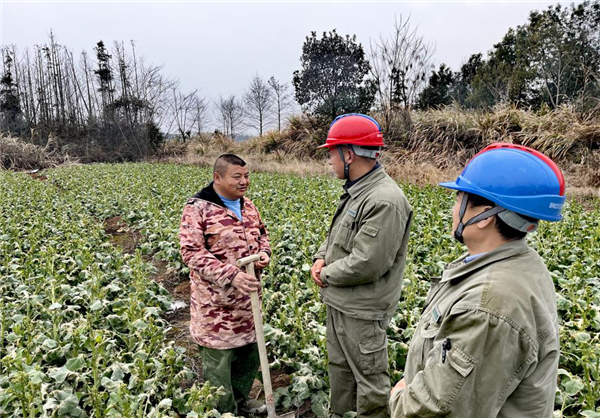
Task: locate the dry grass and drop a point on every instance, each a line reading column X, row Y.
column 16, row 154
column 427, row 147
column 447, row 133
column 447, row 138
column 279, row 162
column 452, row 135
column 300, row 139
column 409, row 167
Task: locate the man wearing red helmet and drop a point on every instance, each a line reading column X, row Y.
column 487, row 343
column 359, row 268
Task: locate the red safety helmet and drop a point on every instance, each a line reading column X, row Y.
column 354, row 129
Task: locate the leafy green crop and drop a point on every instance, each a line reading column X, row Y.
column 81, row 330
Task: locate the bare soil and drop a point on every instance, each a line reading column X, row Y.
column 179, row 320
column 37, row 176
column 121, row 235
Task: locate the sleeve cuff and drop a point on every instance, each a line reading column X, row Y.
column 324, row 277
column 395, row 398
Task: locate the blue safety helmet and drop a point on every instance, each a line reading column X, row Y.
column 516, row 178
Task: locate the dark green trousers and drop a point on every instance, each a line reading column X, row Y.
column 235, row 370
column 358, row 366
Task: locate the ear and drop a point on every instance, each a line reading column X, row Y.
column 486, row 222
column 350, row 155
column 216, row 177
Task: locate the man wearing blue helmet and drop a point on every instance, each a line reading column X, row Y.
column 487, row 343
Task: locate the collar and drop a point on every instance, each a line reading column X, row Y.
column 459, row 269
column 210, row 195
column 353, row 182
column 365, row 182
column 225, row 200
column 470, row 258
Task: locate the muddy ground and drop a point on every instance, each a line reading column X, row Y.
column 179, row 320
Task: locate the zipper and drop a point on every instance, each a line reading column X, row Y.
column 244, row 229
column 335, row 215
column 232, row 215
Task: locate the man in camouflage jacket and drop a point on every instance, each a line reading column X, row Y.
column 212, row 237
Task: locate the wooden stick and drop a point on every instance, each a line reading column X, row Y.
column 247, row 260
column 260, row 336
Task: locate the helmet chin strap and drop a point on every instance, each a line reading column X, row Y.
column 458, row 234
column 346, row 166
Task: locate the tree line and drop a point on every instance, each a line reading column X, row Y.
column 113, row 106
column 113, row 103
column 551, row 60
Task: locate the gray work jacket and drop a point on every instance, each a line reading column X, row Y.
column 365, row 250
column 487, row 344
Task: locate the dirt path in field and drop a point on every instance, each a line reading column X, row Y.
column 36, row 175
column 179, row 318
column 128, row 239
column 121, row 235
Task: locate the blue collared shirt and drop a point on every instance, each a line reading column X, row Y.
column 470, row 258
column 233, row 205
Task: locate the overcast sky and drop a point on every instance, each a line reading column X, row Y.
column 218, row 47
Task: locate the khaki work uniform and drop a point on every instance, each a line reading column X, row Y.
column 487, row 344
column 364, row 253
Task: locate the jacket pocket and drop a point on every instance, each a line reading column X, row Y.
column 448, row 377
column 460, row 361
column 373, row 352
column 344, row 234
column 365, row 238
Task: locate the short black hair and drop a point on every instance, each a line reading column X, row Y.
column 225, row 160
column 507, row 232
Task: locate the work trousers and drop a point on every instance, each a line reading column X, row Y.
column 235, row 370
column 358, row 365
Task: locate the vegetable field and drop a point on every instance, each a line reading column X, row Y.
column 83, row 330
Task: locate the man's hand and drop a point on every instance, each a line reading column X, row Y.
column 315, row 272
column 400, row 385
column 245, row 283
column 264, row 260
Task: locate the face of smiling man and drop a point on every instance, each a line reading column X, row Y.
column 234, row 183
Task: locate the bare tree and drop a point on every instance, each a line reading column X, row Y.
column 259, row 103
column 400, row 64
column 200, row 113
column 101, row 106
column 183, row 107
column 281, row 97
column 188, row 112
column 230, row 113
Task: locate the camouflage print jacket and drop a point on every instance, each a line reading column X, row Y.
column 212, row 238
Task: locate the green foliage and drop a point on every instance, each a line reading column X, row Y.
column 462, row 89
column 155, row 136
column 104, row 71
column 334, row 76
column 81, row 332
column 563, row 44
column 552, row 59
column 437, row 92
column 83, row 321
